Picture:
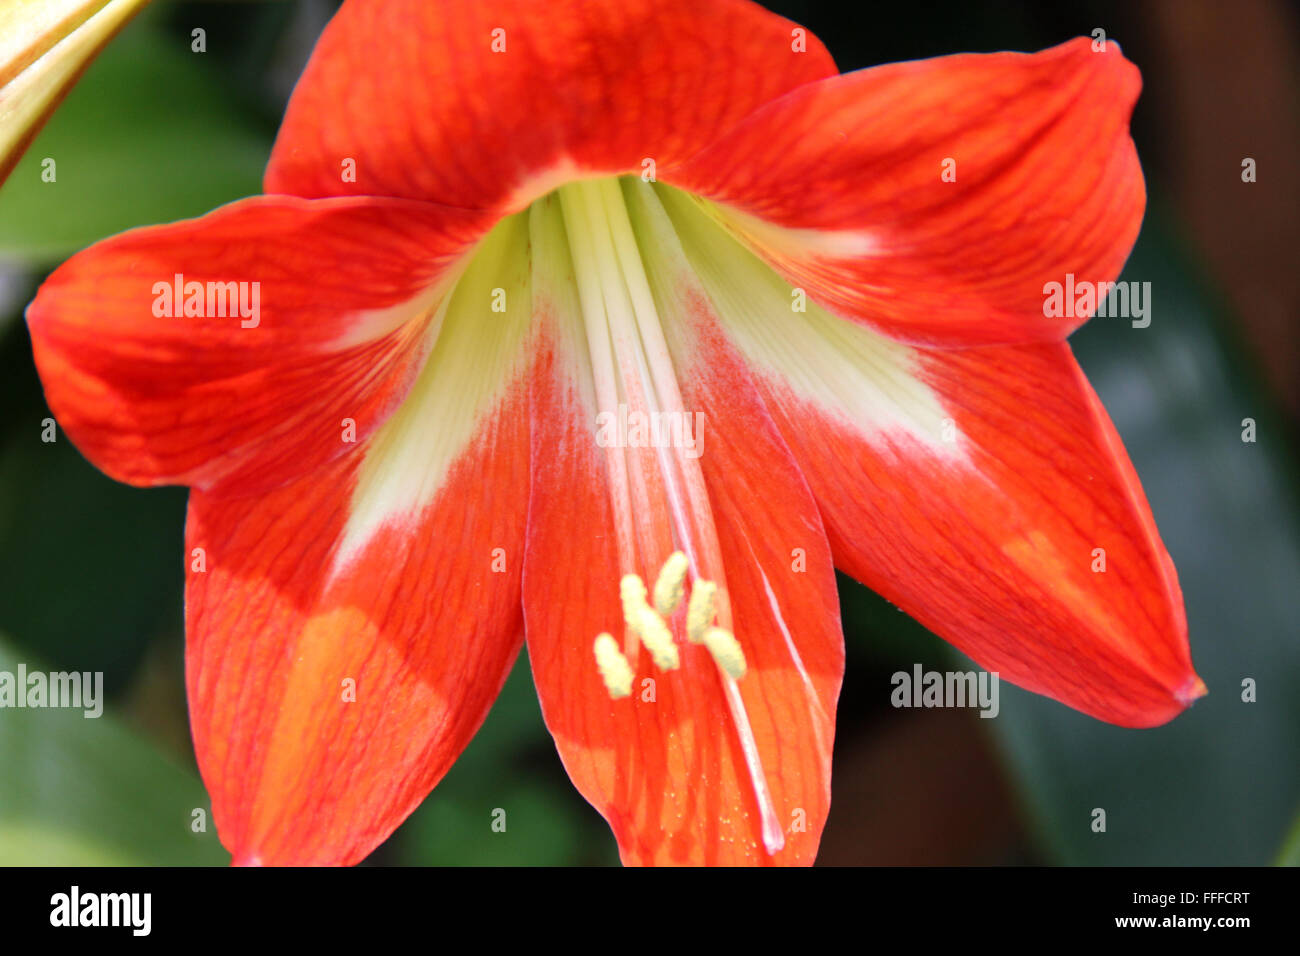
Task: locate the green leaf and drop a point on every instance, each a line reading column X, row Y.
column 1290, row 854
column 146, row 136
column 90, row 570
column 83, row 791
column 1219, row 784
column 511, row 776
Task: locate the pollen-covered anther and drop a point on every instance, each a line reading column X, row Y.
column 699, row 612
column 654, row 634
column 671, row 583
column 647, row 624
column 614, row 669
column 631, row 591
column 724, row 647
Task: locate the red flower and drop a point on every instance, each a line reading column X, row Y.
column 407, row 443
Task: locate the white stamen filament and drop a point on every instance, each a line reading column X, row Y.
column 631, row 364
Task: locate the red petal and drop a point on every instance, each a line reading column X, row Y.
column 415, row 94
column 996, row 552
column 972, row 487
column 419, row 618
column 1047, row 183
column 206, row 401
column 670, row 774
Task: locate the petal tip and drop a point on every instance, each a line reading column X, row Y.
column 1192, row 690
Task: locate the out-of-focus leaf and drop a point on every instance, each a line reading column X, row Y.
column 90, row 570
column 510, row 774
column 529, row 824
column 86, row 791
column 1290, row 855
column 1218, row 785
column 146, row 136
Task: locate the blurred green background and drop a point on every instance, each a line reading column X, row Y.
column 91, row 571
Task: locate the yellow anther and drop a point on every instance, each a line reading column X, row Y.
column 699, row 613
column 671, row 583
column 654, row 634
column 632, row 592
column 614, row 668
column 646, row 624
column 725, row 649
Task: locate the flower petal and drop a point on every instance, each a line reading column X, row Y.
column 984, row 491
column 45, row 45
column 1038, row 556
column 840, row 186
column 668, row 767
column 489, row 104
column 349, row 631
column 338, row 294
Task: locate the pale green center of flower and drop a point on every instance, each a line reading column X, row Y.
column 633, row 367
column 617, row 259
column 636, row 283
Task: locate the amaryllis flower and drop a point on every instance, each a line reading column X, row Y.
column 616, row 327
